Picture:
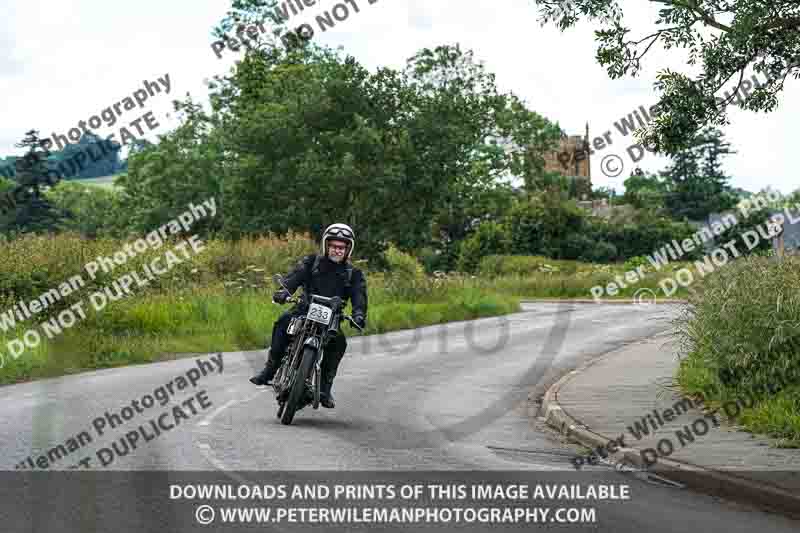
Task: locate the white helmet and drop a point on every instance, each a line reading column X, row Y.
column 340, row 232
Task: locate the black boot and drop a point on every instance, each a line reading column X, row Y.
column 325, row 396
column 265, row 376
column 330, row 365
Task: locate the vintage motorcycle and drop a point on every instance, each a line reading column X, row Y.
column 297, row 381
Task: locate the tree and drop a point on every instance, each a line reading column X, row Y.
column 748, row 224
column 35, row 214
column 541, row 225
column 187, row 165
column 489, row 238
column 645, row 190
column 297, row 138
column 697, row 186
column 246, row 12
column 31, row 169
column 8, row 167
column 792, row 199
column 96, row 160
column 547, row 181
column 95, row 210
column 309, row 135
column 725, row 36
column 140, row 145
column 480, row 136
column 639, row 232
column 598, row 193
column 538, row 137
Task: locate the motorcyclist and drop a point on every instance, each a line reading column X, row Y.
column 329, row 274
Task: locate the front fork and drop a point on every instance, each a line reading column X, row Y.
column 316, row 376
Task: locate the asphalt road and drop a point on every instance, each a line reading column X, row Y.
column 460, row 397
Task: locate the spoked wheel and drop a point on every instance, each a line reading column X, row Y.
column 298, row 390
column 279, row 387
column 316, row 388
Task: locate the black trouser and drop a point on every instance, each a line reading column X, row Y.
column 333, row 350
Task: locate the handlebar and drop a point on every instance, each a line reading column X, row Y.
column 290, row 300
column 348, row 318
column 279, row 280
column 294, row 300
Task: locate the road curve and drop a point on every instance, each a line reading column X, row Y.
column 456, row 397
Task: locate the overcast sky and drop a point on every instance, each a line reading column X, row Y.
column 62, row 62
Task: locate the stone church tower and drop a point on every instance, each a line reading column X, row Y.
column 571, row 159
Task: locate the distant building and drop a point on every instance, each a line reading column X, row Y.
column 603, row 209
column 571, row 160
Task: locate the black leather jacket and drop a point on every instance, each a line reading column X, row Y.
column 330, row 279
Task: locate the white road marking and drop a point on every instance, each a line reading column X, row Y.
column 210, row 417
column 205, row 448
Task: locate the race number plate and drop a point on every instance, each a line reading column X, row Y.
column 319, row 313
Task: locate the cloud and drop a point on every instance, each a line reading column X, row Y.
column 65, row 61
column 10, row 62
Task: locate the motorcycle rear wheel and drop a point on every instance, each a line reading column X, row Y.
column 298, row 390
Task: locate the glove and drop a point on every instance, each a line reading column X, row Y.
column 280, row 296
column 360, row 321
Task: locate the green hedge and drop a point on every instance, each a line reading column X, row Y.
column 551, row 227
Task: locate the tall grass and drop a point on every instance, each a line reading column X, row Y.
column 741, row 337
column 540, row 277
column 220, row 300
column 35, row 264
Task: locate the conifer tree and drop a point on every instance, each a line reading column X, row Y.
column 34, row 213
column 695, row 179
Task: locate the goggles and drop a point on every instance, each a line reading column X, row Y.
column 340, row 232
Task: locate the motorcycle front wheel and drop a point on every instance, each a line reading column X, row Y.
column 316, row 387
column 298, row 386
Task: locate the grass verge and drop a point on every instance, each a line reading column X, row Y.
column 741, row 338
column 159, row 327
column 540, row 277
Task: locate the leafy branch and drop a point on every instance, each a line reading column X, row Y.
column 757, row 34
